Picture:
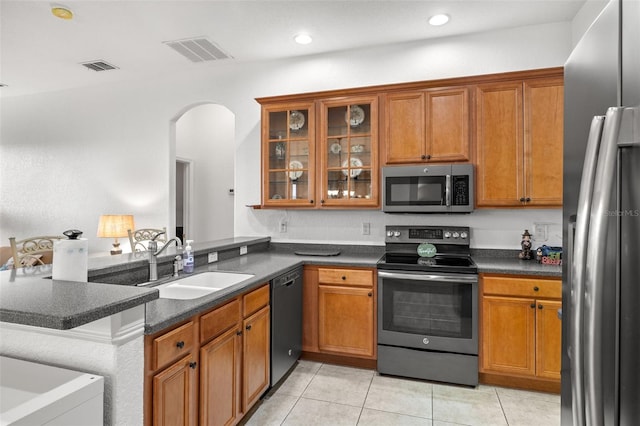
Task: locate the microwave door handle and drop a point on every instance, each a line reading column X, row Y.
column 447, row 190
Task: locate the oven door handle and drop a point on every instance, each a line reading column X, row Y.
column 449, row 278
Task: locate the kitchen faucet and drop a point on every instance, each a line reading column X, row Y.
column 154, row 252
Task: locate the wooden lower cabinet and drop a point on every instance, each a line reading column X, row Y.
column 220, row 379
column 221, row 365
column 174, row 391
column 339, row 315
column 345, row 320
column 521, row 332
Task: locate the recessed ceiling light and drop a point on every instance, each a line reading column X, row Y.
column 61, row 12
column 437, row 20
column 303, row 38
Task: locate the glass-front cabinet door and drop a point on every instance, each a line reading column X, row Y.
column 288, row 147
column 348, row 151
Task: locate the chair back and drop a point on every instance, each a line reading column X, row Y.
column 33, row 251
column 140, row 237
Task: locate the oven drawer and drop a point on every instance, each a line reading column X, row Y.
column 523, row 287
column 358, row 277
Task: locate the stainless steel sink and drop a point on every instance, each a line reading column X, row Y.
column 200, row 285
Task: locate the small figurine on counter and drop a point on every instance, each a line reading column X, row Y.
column 525, row 254
column 539, row 254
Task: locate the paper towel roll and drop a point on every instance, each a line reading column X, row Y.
column 71, row 260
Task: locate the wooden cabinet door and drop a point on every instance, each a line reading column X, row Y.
column 543, row 141
column 175, row 394
column 404, row 127
column 348, row 152
column 288, row 155
column 548, row 339
column 508, row 335
column 499, row 146
column 345, row 320
column 220, row 379
column 256, row 357
column 447, row 130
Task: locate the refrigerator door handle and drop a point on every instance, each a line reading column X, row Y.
column 594, row 278
column 578, row 233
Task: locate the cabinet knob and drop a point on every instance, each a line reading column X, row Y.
column 310, row 201
column 423, row 157
column 540, row 306
column 428, row 157
column 193, row 365
column 344, row 278
column 528, row 199
column 248, row 327
column 239, row 333
column 533, row 305
column 522, row 199
column 180, row 344
column 536, row 288
column 370, row 294
column 321, row 201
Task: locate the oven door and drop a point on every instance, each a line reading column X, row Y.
column 422, row 310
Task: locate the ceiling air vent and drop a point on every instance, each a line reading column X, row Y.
column 99, row 66
column 198, row 49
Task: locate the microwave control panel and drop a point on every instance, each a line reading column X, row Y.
column 460, row 191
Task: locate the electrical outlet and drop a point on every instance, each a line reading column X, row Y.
column 243, row 250
column 366, row 228
column 213, row 257
column 283, row 226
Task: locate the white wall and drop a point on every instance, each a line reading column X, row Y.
column 66, row 157
column 205, row 137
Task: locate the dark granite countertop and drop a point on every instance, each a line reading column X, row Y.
column 266, row 265
column 28, row 297
column 32, row 299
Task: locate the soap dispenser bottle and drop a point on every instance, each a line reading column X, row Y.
column 188, row 262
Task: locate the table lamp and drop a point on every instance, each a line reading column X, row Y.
column 115, row 226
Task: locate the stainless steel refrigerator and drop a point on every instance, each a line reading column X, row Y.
column 601, row 223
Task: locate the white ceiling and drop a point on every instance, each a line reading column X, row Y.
column 39, row 52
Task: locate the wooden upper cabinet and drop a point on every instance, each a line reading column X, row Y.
column 543, row 140
column 288, row 155
column 348, row 152
column 519, row 143
column 427, row 126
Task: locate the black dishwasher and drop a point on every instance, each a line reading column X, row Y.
column 286, row 323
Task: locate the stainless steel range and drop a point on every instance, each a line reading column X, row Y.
column 428, row 305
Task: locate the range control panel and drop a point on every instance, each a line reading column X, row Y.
column 432, row 234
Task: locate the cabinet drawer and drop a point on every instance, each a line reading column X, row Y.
column 255, row 300
column 219, row 320
column 357, row 277
column 172, row 345
column 526, row 287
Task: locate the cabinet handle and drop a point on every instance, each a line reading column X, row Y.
column 522, row 199
column 528, row 199
column 180, row 344
column 344, row 278
column 423, row 157
column 193, row 365
column 533, row 305
column 239, row 333
column 428, row 157
column 536, row 288
column 310, row 201
column 370, row 294
column 321, row 201
column 540, row 306
column 248, row 327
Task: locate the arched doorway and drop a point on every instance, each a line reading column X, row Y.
column 203, row 172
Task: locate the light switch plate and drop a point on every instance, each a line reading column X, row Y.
column 213, row 257
column 243, row 250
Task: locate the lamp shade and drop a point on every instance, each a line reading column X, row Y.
column 115, row 225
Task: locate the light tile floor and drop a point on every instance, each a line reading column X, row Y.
column 324, row 394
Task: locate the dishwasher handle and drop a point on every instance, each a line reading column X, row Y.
column 287, row 279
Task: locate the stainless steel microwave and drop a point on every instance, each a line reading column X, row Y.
column 441, row 188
